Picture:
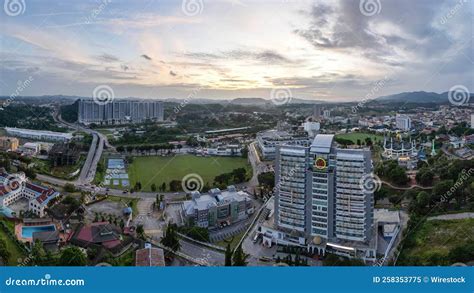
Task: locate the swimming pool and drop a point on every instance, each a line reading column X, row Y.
column 27, row 231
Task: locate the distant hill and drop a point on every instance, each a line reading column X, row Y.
column 418, row 97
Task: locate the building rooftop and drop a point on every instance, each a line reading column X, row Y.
column 149, row 257
column 322, row 143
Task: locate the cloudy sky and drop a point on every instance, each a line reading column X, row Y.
column 325, row 50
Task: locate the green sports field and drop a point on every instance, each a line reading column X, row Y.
column 156, row 169
column 354, row 136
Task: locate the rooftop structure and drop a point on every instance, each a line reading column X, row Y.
column 149, row 257
column 99, row 233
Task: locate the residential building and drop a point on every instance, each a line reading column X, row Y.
column 120, row 112
column 267, row 141
column 217, row 208
column 403, row 122
column 312, row 128
column 320, row 202
column 317, row 112
column 327, row 114
column 39, row 134
column 8, row 143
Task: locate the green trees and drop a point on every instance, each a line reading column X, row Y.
column 140, row 231
column 392, row 172
column 68, row 187
column 240, row 257
column 4, row 253
column 72, row 256
column 153, row 187
column 228, row 256
column 170, row 239
column 234, row 177
column 425, row 177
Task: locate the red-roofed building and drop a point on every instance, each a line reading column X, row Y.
column 150, row 257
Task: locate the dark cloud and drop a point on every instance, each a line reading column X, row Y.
column 108, row 58
column 146, row 57
column 265, row 56
column 402, row 26
column 172, row 73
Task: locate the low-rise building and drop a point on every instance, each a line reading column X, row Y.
column 38, row 134
column 16, row 186
column 217, row 208
column 8, row 143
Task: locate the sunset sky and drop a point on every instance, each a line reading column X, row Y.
column 324, row 50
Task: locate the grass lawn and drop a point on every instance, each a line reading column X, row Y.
column 234, row 240
column 354, row 136
column 15, row 252
column 158, row 169
column 434, row 239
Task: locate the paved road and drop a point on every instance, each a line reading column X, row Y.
column 204, row 254
column 406, row 188
column 458, row 216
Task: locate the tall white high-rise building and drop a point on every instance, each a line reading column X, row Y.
column 321, row 201
column 120, row 112
column 403, row 122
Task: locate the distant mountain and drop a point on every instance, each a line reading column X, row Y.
column 418, row 97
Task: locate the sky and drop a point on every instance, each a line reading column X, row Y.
column 320, row 50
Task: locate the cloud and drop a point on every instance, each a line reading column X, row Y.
column 172, row 73
column 108, row 58
column 262, row 56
